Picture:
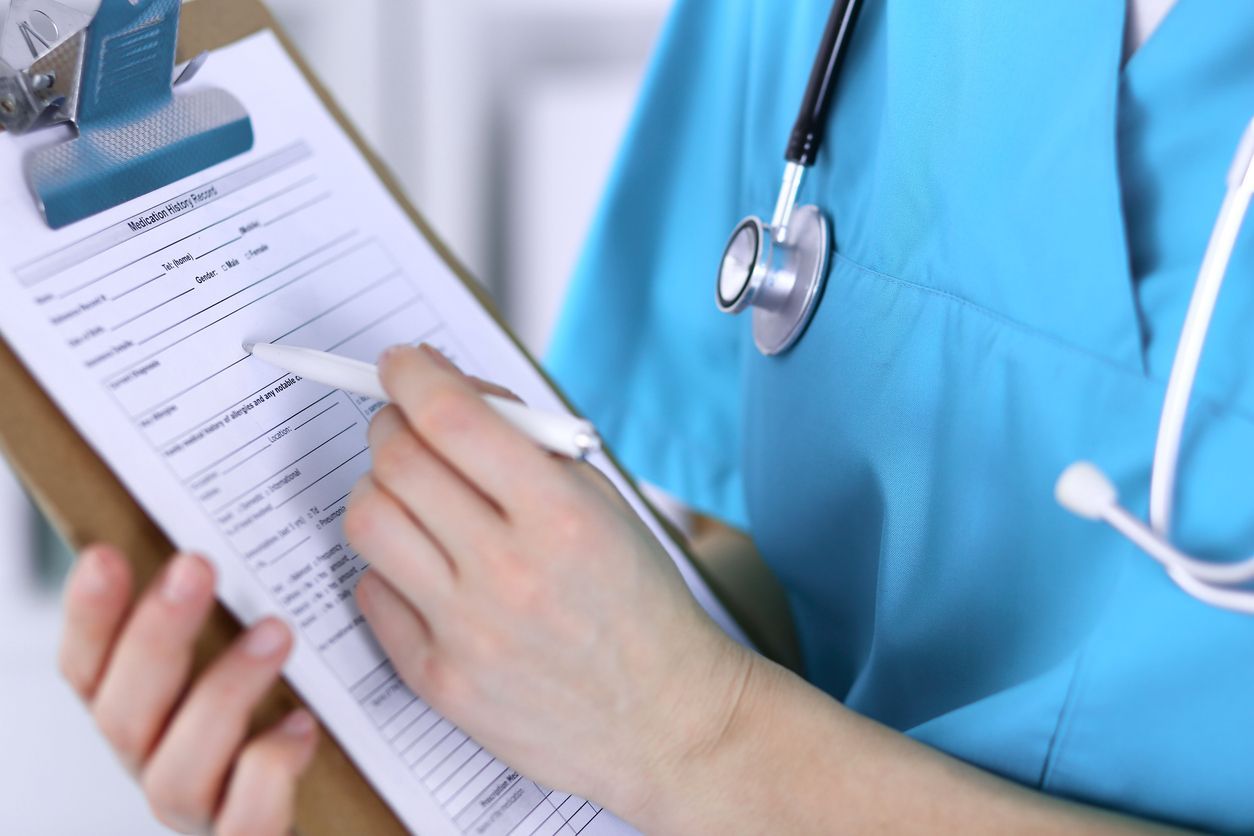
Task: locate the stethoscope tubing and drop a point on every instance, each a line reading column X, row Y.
column 776, row 271
column 1201, row 311
column 810, row 128
column 1086, row 491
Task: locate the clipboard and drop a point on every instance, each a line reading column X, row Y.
column 93, row 506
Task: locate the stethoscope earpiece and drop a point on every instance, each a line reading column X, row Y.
column 1084, row 490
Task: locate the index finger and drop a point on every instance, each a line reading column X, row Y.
column 444, row 408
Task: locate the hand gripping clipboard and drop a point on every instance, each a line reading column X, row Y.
column 87, row 503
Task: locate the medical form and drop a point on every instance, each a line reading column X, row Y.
column 133, row 321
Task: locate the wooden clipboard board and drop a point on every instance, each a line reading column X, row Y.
column 87, row 504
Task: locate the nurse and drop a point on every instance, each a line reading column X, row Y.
column 1021, row 194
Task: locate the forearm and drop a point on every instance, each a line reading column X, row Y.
column 792, row 760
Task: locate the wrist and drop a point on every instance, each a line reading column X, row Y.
column 710, row 731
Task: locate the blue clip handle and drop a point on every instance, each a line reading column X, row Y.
column 135, row 134
column 128, row 62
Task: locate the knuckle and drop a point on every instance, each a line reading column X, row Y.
column 230, row 693
column 73, row 673
column 398, row 366
column 446, row 408
column 265, row 758
column 495, row 550
column 491, row 548
column 501, row 555
column 396, row 458
column 176, row 806
column 126, row 734
column 440, row 681
column 361, row 518
column 520, row 586
column 385, row 421
column 361, row 489
column 485, row 647
column 426, row 674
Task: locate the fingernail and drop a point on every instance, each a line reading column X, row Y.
column 391, row 353
column 300, row 723
column 184, row 581
column 438, row 356
column 266, row 639
column 365, row 588
column 90, row 579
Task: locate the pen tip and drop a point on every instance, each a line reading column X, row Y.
column 248, row 347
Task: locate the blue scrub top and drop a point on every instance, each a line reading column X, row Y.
column 1019, row 220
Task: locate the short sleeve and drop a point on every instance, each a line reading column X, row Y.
column 641, row 348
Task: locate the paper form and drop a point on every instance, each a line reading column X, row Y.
column 134, row 320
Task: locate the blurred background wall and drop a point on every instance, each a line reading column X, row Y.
column 501, row 118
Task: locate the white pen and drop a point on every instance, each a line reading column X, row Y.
column 565, row 435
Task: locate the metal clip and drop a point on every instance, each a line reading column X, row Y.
column 41, row 50
column 113, row 80
column 35, row 28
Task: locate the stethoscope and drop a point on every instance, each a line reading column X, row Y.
column 779, row 270
column 1084, row 490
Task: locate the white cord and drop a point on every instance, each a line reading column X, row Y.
column 1087, row 492
column 1225, row 574
column 1226, row 599
column 1193, row 337
column 1084, row 490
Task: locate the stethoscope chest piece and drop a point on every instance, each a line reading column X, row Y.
column 779, row 275
column 779, row 269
